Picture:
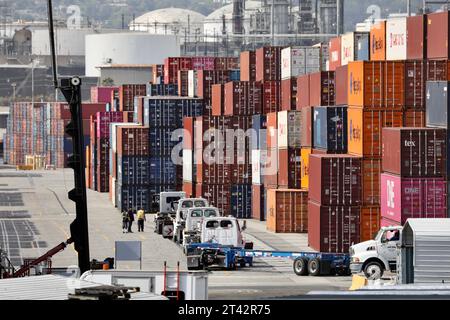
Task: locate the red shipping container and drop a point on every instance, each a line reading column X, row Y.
column 335, row 53
column 437, row 35
column 333, row 228
column 188, row 133
column 394, row 74
column 416, row 34
column 268, row 62
column 403, row 198
column 127, row 92
column 335, row 179
column 226, row 63
column 303, row 99
column 271, row 99
column 306, row 118
column 415, row 84
column 437, row 70
column 87, row 109
column 248, row 65
column 258, row 202
column 218, row 96
column 289, row 168
column 132, row 140
column 270, row 169
column 172, row 65
column 242, row 98
column 321, row 89
column 341, row 85
column 289, row 94
column 203, row 63
column 140, row 110
column 414, row 119
column 103, row 121
column 415, row 152
column 218, row 195
column 102, row 94
column 207, row 78
column 157, row 73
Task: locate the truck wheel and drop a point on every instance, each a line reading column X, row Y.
column 314, row 267
column 301, row 266
column 373, row 270
column 242, row 264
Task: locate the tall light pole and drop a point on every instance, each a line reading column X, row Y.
column 14, row 91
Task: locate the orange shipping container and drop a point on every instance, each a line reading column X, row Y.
column 378, row 41
column 272, row 134
column 287, row 210
column 364, row 130
column 305, row 167
column 370, row 222
column 371, row 175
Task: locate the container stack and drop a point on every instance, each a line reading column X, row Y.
column 127, row 92
column 334, row 206
column 39, row 130
column 259, row 156
column 414, row 170
column 102, row 94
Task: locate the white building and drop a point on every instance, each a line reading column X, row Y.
column 131, row 48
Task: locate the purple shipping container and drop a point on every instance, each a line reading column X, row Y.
column 403, row 198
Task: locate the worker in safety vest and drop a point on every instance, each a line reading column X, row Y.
column 141, row 219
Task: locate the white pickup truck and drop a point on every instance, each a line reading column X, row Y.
column 179, row 221
column 374, row 257
column 193, row 224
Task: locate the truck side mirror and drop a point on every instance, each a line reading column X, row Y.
column 244, row 225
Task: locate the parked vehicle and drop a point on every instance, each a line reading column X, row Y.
column 193, row 225
column 168, row 205
column 179, row 221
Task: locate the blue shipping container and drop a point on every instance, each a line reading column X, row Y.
column 241, row 201
column 362, row 49
column 164, row 171
column 169, row 112
column 170, row 89
column 330, row 129
column 164, row 140
column 133, row 170
column 235, row 75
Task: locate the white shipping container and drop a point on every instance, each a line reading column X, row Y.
column 256, row 167
column 396, row 39
column 187, row 165
column 296, row 60
column 289, row 129
column 191, row 84
column 113, row 191
column 347, row 48
column 113, row 133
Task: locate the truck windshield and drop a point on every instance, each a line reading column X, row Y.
column 379, row 235
column 196, row 213
column 210, row 213
column 199, row 203
column 187, row 204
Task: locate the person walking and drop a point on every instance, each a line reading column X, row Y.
column 141, row 218
column 130, row 219
column 124, row 221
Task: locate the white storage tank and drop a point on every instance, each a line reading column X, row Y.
column 128, row 48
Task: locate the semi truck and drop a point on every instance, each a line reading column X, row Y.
column 179, row 219
column 374, row 257
column 193, row 224
column 168, row 205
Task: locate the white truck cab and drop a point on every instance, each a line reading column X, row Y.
column 373, row 257
column 193, row 225
column 181, row 213
column 222, row 230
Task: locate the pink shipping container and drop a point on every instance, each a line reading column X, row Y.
column 103, row 121
column 403, row 198
column 102, row 94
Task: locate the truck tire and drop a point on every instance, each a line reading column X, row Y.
column 314, row 267
column 373, row 270
column 300, row 266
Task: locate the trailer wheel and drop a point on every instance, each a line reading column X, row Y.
column 300, row 266
column 314, row 267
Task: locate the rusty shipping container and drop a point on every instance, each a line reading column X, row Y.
column 416, row 43
column 341, row 85
column 258, row 203
column 289, row 168
column 248, row 65
column 132, row 140
column 268, row 64
column 365, row 130
column 217, row 99
column 413, row 118
column 437, row 35
column 127, row 92
column 287, row 210
column 188, row 133
column 437, row 70
column 189, row 188
column 333, row 228
column 322, row 89
column 172, row 65
column 415, row 152
column 337, row 179
column 369, row 222
column 370, row 181
column 303, row 99
column 183, row 83
column 288, row 94
column 271, row 100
